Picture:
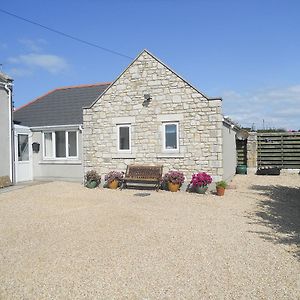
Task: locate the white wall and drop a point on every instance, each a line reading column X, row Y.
column 5, row 149
column 62, row 169
column 229, row 152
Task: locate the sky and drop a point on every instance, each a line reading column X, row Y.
column 247, row 52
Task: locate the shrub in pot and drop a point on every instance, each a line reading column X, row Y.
column 92, row 179
column 113, row 179
column 173, row 180
column 221, row 186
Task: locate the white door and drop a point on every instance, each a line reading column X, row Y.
column 23, row 154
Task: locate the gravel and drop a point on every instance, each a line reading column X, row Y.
column 60, row 240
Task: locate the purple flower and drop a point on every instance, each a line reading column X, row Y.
column 113, row 175
column 175, row 177
column 200, row 179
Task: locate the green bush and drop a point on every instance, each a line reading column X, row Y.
column 223, row 184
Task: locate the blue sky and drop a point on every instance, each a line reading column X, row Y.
column 247, row 52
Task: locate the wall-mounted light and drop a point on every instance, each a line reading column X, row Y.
column 147, row 99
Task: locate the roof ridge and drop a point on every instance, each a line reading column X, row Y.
column 59, row 89
column 82, row 85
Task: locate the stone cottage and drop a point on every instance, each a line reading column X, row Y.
column 148, row 115
column 151, row 115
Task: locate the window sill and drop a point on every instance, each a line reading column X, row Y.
column 170, row 155
column 124, row 155
column 60, row 162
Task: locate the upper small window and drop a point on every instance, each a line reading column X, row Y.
column 124, row 136
column 171, row 137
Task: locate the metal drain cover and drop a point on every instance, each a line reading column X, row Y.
column 142, row 194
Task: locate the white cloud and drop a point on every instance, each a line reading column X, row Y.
column 276, row 108
column 48, row 62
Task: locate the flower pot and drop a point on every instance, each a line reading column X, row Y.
column 173, row 187
column 113, row 184
column 241, row 169
column 200, row 189
column 220, row 191
column 91, row 184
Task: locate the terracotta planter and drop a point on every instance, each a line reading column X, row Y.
column 114, row 184
column 173, row 187
column 220, row 191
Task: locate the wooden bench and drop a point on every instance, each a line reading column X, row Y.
column 143, row 174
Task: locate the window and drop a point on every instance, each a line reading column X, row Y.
column 171, row 137
column 124, row 136
column 23, row 151
column 72, row 143
column 48, row 147
column 60, row 144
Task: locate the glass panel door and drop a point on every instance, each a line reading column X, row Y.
column 23, row 150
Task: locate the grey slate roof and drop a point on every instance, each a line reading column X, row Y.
column 61, row 106
column 5, row 78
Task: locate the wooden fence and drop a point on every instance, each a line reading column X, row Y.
column 241, row 151
column 280, row 149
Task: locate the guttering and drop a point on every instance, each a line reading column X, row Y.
column 41, row 128
column 10, row 126
column 231, row 124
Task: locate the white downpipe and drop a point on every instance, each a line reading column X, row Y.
column 6, row 86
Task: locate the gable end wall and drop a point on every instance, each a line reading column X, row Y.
column 172, row 99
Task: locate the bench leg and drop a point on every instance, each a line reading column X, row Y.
column 123, row 185
column 157, row 186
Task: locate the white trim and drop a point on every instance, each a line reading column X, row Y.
column 165, row 150
column 67, row 144
column 118, row 138
column 53, row 127
column 60, row 162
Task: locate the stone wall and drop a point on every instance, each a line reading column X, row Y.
column 172, row 99
column 252, row 152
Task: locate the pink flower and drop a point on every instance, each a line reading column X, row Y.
column 200, row 179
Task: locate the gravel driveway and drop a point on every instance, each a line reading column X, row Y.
column 62, row 241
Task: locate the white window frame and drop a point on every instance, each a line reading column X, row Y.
column 53, row 157
column 177, row 137
column 118, row 138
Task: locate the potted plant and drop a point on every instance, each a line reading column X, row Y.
column 92, row 179
column 221, row 186
column 199, row 183
column 113, row 179
column 174, row 180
